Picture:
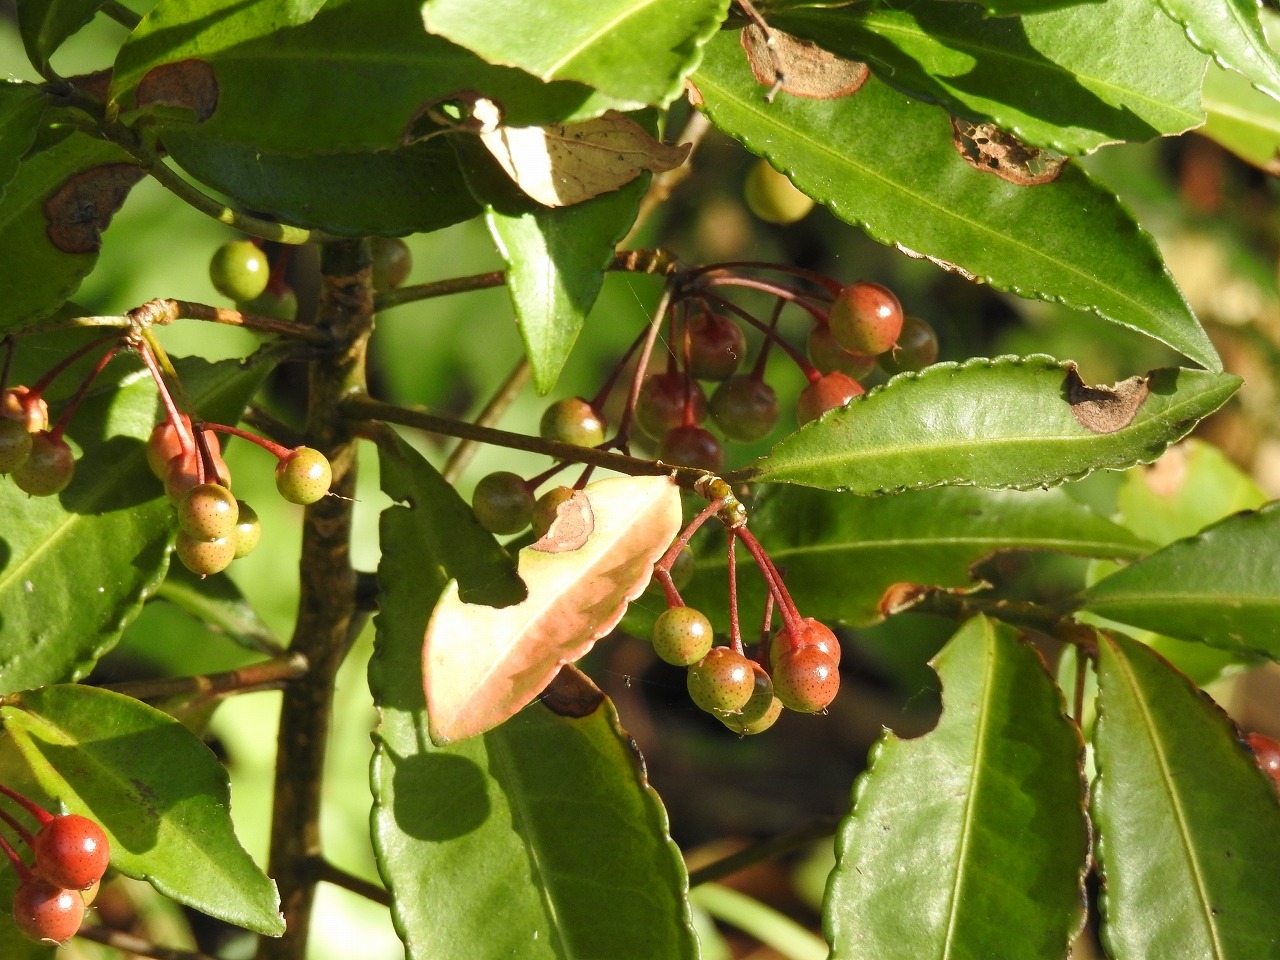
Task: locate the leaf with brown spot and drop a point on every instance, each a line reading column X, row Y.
column 800, row 67
column 83, row 206
column 986, row 147
column 572, row 694
column 188, row 85
column 566, row 163
column 482, row 664
column 572, row 525
column 1105, row 409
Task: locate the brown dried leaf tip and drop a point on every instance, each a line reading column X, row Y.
column 898, row 597
column 187, row 84
column 799, row 67
column 574, row 522
column 1105, row 409
column 572, row 694
column 988, row 148
column 83, row 206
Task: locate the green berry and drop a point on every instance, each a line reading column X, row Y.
column 205, row 556
column 277, row 306
column 760, row 712
column 392, row 262
column 660, row 406
column 692, row 447
column 866, row 318
column 917, row 348
column 502, row 502
column 721, row 682
column 239, row 270
column 806, row 679
column 826, row 393
column 546, row 507
column 772, row 197
column 15, row 445
column 248, row 529
column 48, row 467
column 745, row 408
column 304, row 476
column 682, row 636
column 208, row 511
column 717, row 346
column 573, row 420
column 828, row 356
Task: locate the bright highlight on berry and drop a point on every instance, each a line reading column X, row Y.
column 304, row 476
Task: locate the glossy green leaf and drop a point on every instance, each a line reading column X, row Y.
column 354, row 76
column 1231, row 32
column 1239, row 116
column 1010, row 8
column 472, row 839
column 36, row 274
column 1188, row 827
column 1008, row 422
column 981, row 818
column 555, row 259
column 20, row 108
column 160, row 795
column 1052, row 80
column 842, row 553
column 1221, row 586
column 413, row 189
column 76, row 568
column 218, row 603
column 638, row 51
column 888, row 165
column 46, row 24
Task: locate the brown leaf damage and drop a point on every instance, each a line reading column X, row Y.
column 572, row 694
column 187, row 84
column 986, row 147
column 79, row 210
column 1105, row 409
column 569, row 530
column 800, row 67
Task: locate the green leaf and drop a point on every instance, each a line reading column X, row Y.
column 841, row 554
column 46, row 24
column 1188, row 827
column 1231, row 32
column 413, row 189
column 353, row 77
column 472, row 839
column 45, row 251
column 1009, row 422
column 555, row 266
column 1221, row 587
column 159, row 793
column 21, row 106
column 981, row 818
column 76, row 568
column 633, row 51
column 1010, row 8
column 887, row 164
column 1241, row 117
column 219, row 604
column 1052, row 80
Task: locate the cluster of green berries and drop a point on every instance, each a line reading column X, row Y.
column 38, row 458
column 214, row 528
column 70, row 856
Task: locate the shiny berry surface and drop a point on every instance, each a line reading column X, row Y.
column 745, row 409
column 71, row 851
column 917, row 348
column 573, row 420
column 812, row 633
column 392, row 262
column 772, row 197
column 165, row 443
column 205, row 557
column 692, row 447
column 239, row 270
column 682, row 636
column 828, row 356
column 827, row 393
column 248, row 529
column 208, row 511
column 16, row 403
column 760, row 712
column 660, row 406
column 721, row 682
column 15, row 444
column 866, row 318
column 1266, row 753
column 304, row 476
column 806, row 679
column 48, row 468
column 502, row 502
column 717, row 346
column 46, row 913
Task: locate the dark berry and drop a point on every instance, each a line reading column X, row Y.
column 304, row 476
column 717, row 346
column 826, row 393
column 682, row 636
column 772, row 197
column 573, row 420
column 660, row 406
column 828, row 356
column 692, row 447
column 15, row 444
column 208, row 511
column 545, row 507
column 205, row 557
column 71, row 851
column 239, row 270
column 721, row 682
column 917, row 348
column 248, row 529
column 392, row 262
column 46, row 913
column 48, row 467
column 745, row 408
column 760, row 712
column 812, row 633
column 866, row 318
column 16, row 403
column 502, row 502
column 806, row 679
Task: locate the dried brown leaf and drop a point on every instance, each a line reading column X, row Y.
column 800, row 67
column 988, row 148
column 82, row 207
column 1105, row 409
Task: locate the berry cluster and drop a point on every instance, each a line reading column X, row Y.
column 70, row 854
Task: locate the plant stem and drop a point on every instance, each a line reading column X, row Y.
column 269, row 675
column 328, row 600
column 490, row 415
column 326, row 872
column 137, row 946
column 121, row 14
column 783, row 843
column 167, row 311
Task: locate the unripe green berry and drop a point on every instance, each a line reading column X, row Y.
column 682, row 636
column 806, row 679
column 573, row 420
column 239, row 270
column 205, row 556
column 248, row 529
column 745, row 408
column 392, row 262
column 772, row 197
column 760, row 712
column 15, row 445
column 304, row 476
column 917, row 348
column 721, row 682
column 502, row 502
column 48, row 468
column 208, row 511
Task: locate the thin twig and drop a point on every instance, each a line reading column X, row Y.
column 498, row 405
column 121, row 14
column 326, row 872
column 268, row 675
column 783, row 843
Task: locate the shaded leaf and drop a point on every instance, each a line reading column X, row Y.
column 76, row 568
column 159, row 793
column 1239, row 116
column 21, row 105
column 887, row 164
column 1231, row 32
column 472, row 839
column 218, row 603
column 981, row 818
column 482, row 664
column 1051, row 79
column 46, row 24
column 1221, row 586
column 1009, row 422
column 633, row 51
column 1188, row 827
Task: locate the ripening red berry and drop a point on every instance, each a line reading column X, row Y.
column 682, row 636
column 721, row 682
column 17, row 403
column 208, row 511
column 826, row 393
column 717, row 346
column 828, row 356
column 660, row 406
column 812, row 633
column 205, row 557
column 71, row 851
column 865, row 318
column 917, row 348
column 164, row 444
column 806, row 679
column 760, row 712
column 573, row 420
column 1266, row 753
column 692, row 447
column 47, row 913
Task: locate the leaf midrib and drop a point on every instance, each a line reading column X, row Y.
column 628, row 11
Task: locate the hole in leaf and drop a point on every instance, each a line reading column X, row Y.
column 988, row 148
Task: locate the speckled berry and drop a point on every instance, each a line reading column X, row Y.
column 71, row 851
column 828, row 392
column 806, row 679
column 761, row 711
column 502, row 502
column 208, row 511
column 721, row 682
column 15, row 445
column 866, row 318
column 248, row 529
column 812, row 633
column 47, row 913
column 304, row 476
column 48, row 468
column 682, row 636
column 205, row 557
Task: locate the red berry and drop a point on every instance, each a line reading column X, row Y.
column 208, row 511
column 826, row 393
column 47, row 913
column 760, row 712
column 806, row 679
column 1266, row 753
column 15, row 445
column 717, row 346
column 304, row 476
column 205, row 557
column 502, row 502
column 866, row 318
column 828, row 356
column 660, row 405
column 721, row 682
column 48, row 468
column 917, row 348
column 16, row 403
column 692, row 447
column 573, row 420
column 812, row 633
column 745, row 408
column 71, row 851
column 682, row 636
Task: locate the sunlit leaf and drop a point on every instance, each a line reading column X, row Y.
column 1231, row 31
column 217, row 602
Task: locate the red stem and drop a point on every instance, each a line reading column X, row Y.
column 808, row 369
column 790, row 615
column 662, row 569
column 74, row 403
column 828, row 284
column 186, row 439
column 19, row 867
column 735, row 629
column 22, row 831
column 42, row 815
column 766, row 627
column 279, row 452
column 786, row 294
column 42, row 384
column 642, row 364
